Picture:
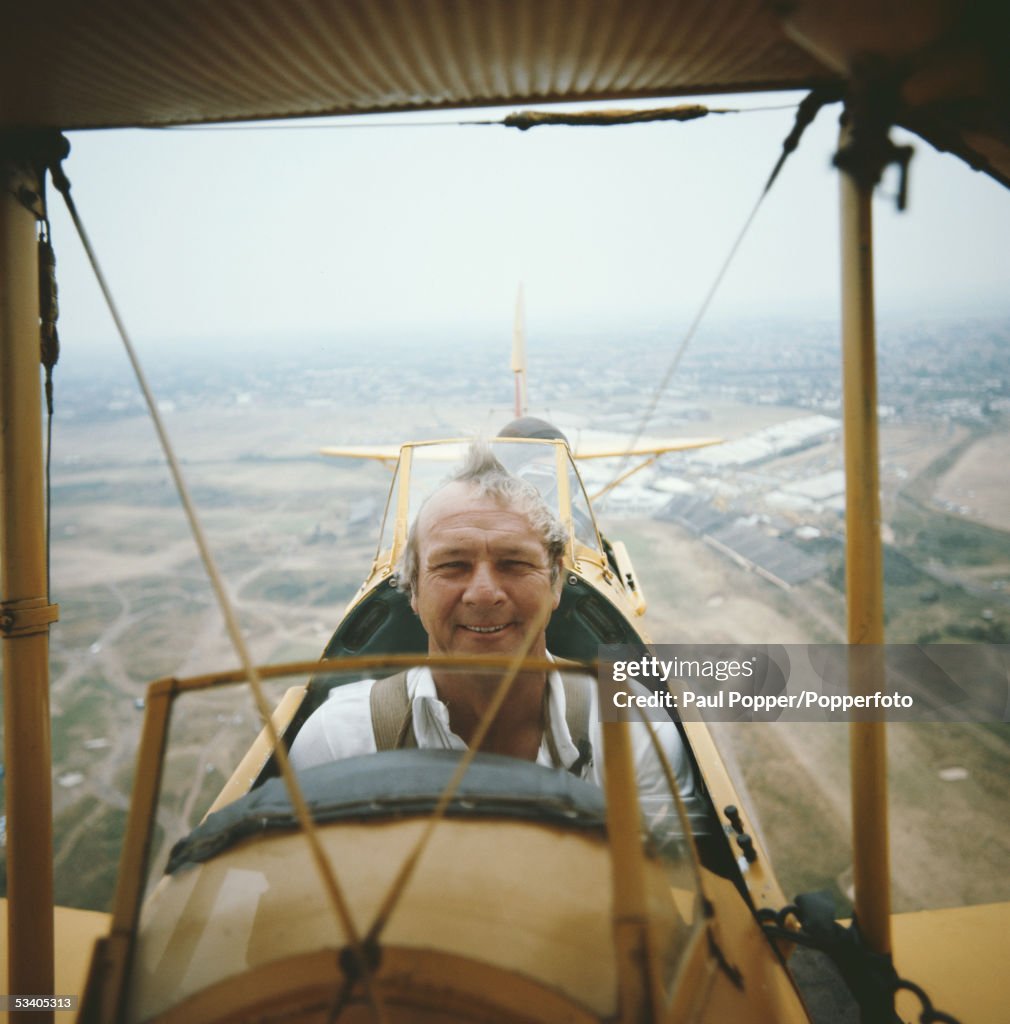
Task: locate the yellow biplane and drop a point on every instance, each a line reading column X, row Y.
column 557, row 905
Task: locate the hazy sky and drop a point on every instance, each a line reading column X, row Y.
column 414, row 230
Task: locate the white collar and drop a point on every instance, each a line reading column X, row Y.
column 431, row 718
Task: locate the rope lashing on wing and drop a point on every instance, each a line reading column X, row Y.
column 49, row 352
column 526, row 119
column 805, row 114
column 49, row 309
column 332, row 888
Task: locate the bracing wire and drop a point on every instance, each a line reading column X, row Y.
column 536, row 628
column 689, row 334
column 805, row 113
column 49, row 499
column 678, row 799
column 399, row 884
column 330, row 884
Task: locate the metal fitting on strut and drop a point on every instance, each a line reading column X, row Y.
column 871, row 106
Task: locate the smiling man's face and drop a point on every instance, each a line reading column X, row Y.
column 484, row 576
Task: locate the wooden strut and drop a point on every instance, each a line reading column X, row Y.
column 25, row 612
column 864, row 585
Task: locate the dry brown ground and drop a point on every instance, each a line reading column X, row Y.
column 979, row 481
column 136, row 607
column 950, row 843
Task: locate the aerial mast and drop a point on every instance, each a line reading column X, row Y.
column 519, row 354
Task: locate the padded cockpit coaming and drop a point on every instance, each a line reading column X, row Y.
column 396, row 784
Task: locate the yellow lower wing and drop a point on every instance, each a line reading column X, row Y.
column 616, row 451
column 958, row 957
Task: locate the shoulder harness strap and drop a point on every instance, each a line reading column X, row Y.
column 392, row 716
column 578, row 698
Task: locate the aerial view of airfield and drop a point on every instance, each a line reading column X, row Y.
column 289, row 290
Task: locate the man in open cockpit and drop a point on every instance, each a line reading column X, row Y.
column 482, row 566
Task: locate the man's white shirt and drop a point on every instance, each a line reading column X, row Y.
column 342, row 727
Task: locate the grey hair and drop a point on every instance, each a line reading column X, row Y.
column 488, row 477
